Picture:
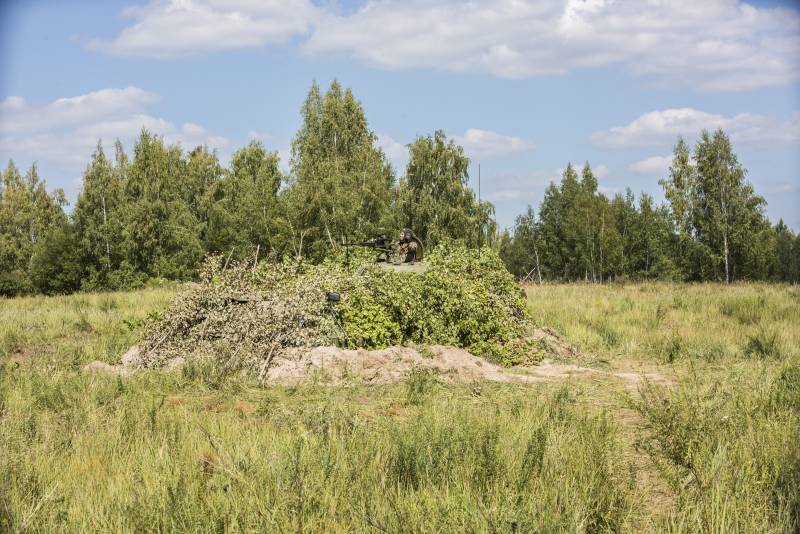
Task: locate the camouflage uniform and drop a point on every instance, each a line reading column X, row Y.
column 406, row 249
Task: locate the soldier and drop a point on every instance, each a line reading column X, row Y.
column 409, row 249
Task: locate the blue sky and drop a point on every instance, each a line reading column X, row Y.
column 525, row 87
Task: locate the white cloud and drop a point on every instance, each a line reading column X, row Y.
column 714, row 45
column 11, row 103
column 601, row 171
column 652, row 166
column 106, row 104
column 659, row 128
column 256, row 135
column 396, row 152
column 510, row 188
column 65, row 132
column 177, row 28
column 480, row 144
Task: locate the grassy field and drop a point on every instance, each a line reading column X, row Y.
column 712, row 448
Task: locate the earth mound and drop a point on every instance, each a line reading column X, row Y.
column 270, row 319
column 331, row 365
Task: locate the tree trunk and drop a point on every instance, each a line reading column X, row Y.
column 727, row 268
column 538, row 270
column 105, row 233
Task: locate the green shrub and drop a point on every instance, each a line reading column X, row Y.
column 368, row 324
column 514, row 352
column 461, row 299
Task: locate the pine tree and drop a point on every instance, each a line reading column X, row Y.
column 161, row 235
column 521, row 252
column 787, row 267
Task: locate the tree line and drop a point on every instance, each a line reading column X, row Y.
column 155, row 213
column 712, row 227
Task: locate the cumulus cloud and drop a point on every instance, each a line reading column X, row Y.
column 106, row 105
column 65, row 132
column 715, row 45
column 658, row 128
column 177, row 28
column 480, row 144
column 652, row 166
column 396, row 152
column 514, row 188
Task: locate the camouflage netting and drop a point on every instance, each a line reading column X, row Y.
column 242, row 317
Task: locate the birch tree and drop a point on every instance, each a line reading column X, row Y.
column 97, row 219
column 728, row 217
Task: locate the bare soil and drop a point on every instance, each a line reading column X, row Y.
column 335, row 365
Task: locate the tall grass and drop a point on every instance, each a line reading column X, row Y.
column 159, row 452
column 206, row 450
column 730, row 448
column 84, row 327
column 664, row 322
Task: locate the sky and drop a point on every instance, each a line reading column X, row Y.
column 524, row 87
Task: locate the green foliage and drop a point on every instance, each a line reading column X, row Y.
column 433, row 197
column 55, row 265
column 787, row 254
column 27, row 214
column 462, row 299
column 156, row 214
column 582, row 235
column 244, row 206
column 722, row 231
column 514, row 352
column 368, row 324
column 341, row 183
column 713, row 227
